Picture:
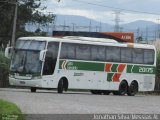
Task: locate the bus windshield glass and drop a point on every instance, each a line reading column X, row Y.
column 25, row 59
column 30, row 45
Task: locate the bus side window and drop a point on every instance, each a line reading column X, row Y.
column 149, row 57
column 51, row 58
column 113, row 54
column 98, row 53
column 64, row 50
column 68, row 51
column 83, row 52
column 138, row 56
column 126, row 55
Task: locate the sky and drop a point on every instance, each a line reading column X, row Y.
column 104, row 10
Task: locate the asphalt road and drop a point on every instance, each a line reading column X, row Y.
column 50, row 102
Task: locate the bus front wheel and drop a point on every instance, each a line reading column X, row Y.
column 33, row 89
column 60, row 86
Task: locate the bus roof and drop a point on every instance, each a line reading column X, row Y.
column 89, row 40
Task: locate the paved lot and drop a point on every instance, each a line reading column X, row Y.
column 50, row 102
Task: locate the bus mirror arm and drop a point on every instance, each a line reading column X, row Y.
column 42, row 55
column 8, row 52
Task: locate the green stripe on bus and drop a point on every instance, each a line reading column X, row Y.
column 93, row 66
column 88, row 66
column 129, row 68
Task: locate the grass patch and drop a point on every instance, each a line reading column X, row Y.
column 9, row 110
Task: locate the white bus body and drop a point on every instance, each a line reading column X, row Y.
column 99, row 65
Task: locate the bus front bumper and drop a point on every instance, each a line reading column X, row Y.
column 29, row 83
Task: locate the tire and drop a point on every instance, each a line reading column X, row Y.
column 33, row 89
column 132, row 89
column 60, row 86
column 123, row 88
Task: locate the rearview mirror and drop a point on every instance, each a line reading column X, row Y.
column 8, row 52
column 42, row 55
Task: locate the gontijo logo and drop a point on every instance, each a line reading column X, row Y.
column 68, row 65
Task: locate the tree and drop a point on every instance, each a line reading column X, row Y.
column 6, row 16
column 29, row 11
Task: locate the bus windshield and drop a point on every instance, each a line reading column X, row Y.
column 25, row 59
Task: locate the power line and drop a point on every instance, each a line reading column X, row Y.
column 121, row 9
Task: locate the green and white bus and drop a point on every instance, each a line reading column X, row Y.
column 96, row 64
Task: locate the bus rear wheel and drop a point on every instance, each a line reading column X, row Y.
column 33, row 89
column 132, row 89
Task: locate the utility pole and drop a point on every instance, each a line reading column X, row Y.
column 14, row 24
column 73, row 24
column 117, row 20
column 48, row 29
column 64, row 27
column 158, row 28
column 54, row 24
column 147, row 34
column 90, row 25
column 100, row 26
column 155, row 34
